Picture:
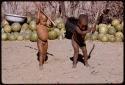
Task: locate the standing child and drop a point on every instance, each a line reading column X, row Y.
column 42, row 41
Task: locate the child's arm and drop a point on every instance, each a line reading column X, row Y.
column 82, row 32
column 93, row 29
column 38, row 17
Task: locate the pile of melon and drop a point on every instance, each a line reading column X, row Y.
column 19, row 31
column 57, row 32
column 108, row 32
column 27, row 30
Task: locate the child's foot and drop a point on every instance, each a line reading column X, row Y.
column 74, row 66
column 41, row 67
column 86, row 64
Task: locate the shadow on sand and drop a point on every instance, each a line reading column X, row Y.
column 80, row 56
column 38, row 57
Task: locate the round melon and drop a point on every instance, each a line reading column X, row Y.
column 4, row 36
column 88, row 36
column 103, row 30
column 2, row 30
column 102, row 25
column 111, row 30
column 119, row 39
column 33, row 37
column 29, row 32
column 57, row 31
column 27, row 37
column 122, row 23
column 15, row 34
column 115, row 22
column 52, row 35
column 7, row 28
column 32, row 25
column 60, row 25
column 58, row 20
column 20, row 37
column 111, row 38
column 11, row 37
column 109, row 26
column 4, row 22
column 119, row 27
column 104, row 38
column 94, row 37
column 100, row 36
column 25, row 26
column 16, row 27
column 29, row 19
column 119, row 34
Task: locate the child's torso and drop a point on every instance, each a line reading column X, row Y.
column 42, row 32
column 77, row 37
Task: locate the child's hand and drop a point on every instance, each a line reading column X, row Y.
column 89, row 30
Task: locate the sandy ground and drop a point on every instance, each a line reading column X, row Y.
column 20, row 65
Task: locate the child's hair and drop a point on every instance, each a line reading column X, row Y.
column 83, row 16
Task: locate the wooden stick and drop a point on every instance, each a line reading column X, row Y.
column 97, row 14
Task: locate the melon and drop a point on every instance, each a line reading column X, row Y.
column 102, row 25
column 29, row 32
column 33, row 37
column 25, row 26
column 111, row 38
column 94, row 37
column 27, row 37
column 119, row 39
column 58, row 20
column 16, row 27
column 119, row 27
column 57, row 31
column 11, row 37
column 52, row 35
column 2, row 30
column 4, row 36
column 104, row 38
column 60, row 25
column 20, row 37
column 111, row 30
column 103, row 30
column 32, row 25
column 119, row 34
column 88, row 36
column 109, row 26
column 115, row 22
column 100, row 36
column 7, row 28
column 29, row 19
column 4, row 22
column 15, row 34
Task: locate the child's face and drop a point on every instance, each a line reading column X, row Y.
column 84, row 21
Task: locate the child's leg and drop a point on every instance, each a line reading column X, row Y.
column 45, row 50
column 84, row 51
column 76, row 52
column 41, row 53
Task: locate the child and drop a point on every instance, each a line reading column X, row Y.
column 42, row 41
column 78, row 34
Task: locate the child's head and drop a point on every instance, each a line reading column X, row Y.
column 43, row 19
column 106, row 11
column 83, row 19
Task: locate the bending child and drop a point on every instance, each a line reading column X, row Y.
column 78, row 38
